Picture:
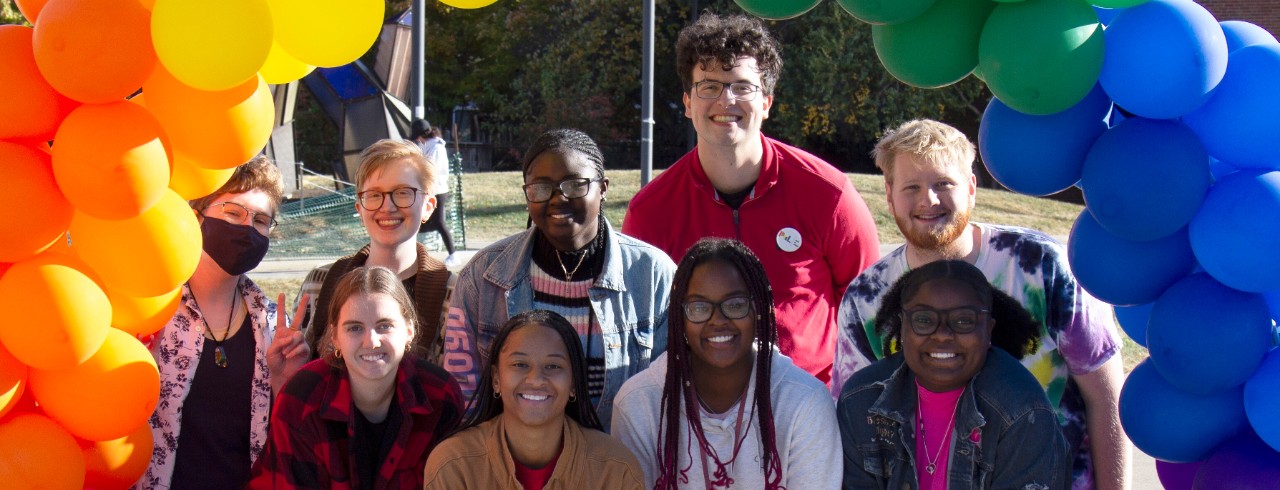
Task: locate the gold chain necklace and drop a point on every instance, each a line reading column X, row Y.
column 568, row 274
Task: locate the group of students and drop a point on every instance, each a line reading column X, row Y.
column 571, row 355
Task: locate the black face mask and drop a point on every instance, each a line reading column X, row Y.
column 236, row 248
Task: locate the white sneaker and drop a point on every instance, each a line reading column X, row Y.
column 452, row 261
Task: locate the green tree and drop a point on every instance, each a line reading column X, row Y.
column 9, row 13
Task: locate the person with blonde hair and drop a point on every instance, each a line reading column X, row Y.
column 226, row 352
column 931, row 191
column 393, row 199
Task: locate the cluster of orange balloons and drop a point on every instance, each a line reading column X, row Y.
column 114, row 114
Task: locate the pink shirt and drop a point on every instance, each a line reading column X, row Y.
column 936, row 421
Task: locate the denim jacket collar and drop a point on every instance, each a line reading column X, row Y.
column 511, row 267
column 900, row 391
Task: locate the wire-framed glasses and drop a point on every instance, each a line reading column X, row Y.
column 571, row 188
column 236, row 213
column 711, row 89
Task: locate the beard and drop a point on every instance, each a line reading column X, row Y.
column 941, row 239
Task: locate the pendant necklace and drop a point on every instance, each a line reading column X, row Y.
column 932, row 466
column 568, row 274
column 220, row 352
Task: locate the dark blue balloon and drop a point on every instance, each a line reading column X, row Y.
column 1164, row 58
column 1240, row 34
column 1236, row 233
column 1173, row 425
column 1041, row 155
column 1262, row 400
column 1145, row 178
column 1205, row 337
column 1126, row 272
column 1242, row 463
column 1133, row 320
column 1240, row 123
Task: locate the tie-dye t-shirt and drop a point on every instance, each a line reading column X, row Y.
column 1079, row 332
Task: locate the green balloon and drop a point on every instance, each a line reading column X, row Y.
column 1041, row 56
column 777, row 9
column 938, row 48
column 1117, row 4
column 876, row 12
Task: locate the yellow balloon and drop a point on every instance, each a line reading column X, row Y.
column 145, row 256
column 211, row 44
column 107, row 396
column 52, row 315
column 193, row 181
column 217, row 129
column 282, row 68
column 326, row 33
column 468, row 4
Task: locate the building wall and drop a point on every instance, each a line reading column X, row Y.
column 1264, row 13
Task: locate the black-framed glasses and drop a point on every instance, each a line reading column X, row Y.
column 571, row 188
column 402, row 197
column 236, row 213
column 962, row 319
column 734, row 308
column 711, row 89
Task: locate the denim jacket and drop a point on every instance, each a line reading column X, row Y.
column 1006, row 434
column 629, row 300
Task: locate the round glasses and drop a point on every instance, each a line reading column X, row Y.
column 711, row 89
column 571, row 188
column 734, row 308
column 961, row 320
column 237, row 214
column 401, row 198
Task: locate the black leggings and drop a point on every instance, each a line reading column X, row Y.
column 436, row 222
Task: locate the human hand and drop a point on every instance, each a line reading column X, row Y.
column 288, row 350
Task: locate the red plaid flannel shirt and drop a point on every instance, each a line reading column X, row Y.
column 312, row 426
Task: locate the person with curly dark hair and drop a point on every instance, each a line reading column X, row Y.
column 800, row 215
column 952, row 408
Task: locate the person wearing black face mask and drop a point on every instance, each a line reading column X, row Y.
column 226, row 352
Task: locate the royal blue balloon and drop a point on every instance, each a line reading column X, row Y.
column 1240, row 34
column 1239, row 124
column 1197, row 312
column 1145, row 178
column 1106, row 15
column 1173, row 425
column 1262, row 400
column 1041, row 155
column 1220, row 169
column 1242, row 463
column 1133, row 320
column 1126, row 272
column 1273, row 302
column 1236, row 233
column 1163, row 58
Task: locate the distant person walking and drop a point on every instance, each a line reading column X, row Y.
column 428, row 139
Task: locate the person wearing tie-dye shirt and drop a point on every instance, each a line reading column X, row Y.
column 930, row 188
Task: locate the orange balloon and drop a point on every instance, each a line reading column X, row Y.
column 143, row 316
column 106, row 397
column 36, row 453
column 118, row 463
column 53, row 316
column 218, row 130
column 193, row 181
column 30, row 8
column 146, row 256
column 109, row 160
column 13, row 380
column 33, row 211
column 97, row 51
column 31, row 108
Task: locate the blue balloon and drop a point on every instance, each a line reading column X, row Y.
column 1126, row 272
column 1133, row 320
column 1163, row 58
column 1041, row 155
column 1236, row 233
column 1240, row 34
column 1262, row 400
column 1239, row 123
column 1242, row 463
column 1106, row 15
column 1205, row 337
column 1145, row 179
column 1173, row 425
column 1220, row 169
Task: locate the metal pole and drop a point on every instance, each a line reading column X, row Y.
column 646, row 99
column 417, row 88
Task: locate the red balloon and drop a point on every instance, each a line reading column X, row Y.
column 31, row 109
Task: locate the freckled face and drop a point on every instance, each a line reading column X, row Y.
column 390, row 225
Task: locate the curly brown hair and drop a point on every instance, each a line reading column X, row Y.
column 723, row 40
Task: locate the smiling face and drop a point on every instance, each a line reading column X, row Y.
column 569, row 224
column 534, row 378
column 720, row 343
column 391, row 226
column 944, row 360
column 930, row 202
column 728, row 121
column 372, row 334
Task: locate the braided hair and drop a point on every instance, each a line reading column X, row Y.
column 486, row 406
column 1016, row 332
column 678, row 396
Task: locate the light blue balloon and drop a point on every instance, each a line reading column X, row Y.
column 1163, row 58
column 1240, row 124
column 1126, row 272
column 1173, row 425
column 1133, row 320
column 1145, row 178
column 1041, row 155
column 1196, row 313
column 1236, row 233
column 1240, row 34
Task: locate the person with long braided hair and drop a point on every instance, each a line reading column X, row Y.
column 722, row 407
column 612, row 288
